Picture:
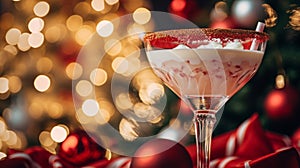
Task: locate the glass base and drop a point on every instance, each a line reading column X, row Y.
column 204, row 124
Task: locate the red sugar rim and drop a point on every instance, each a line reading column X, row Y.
column 181, row 36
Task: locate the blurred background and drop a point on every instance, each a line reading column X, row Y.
column 40, row 41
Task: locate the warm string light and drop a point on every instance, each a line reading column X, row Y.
column 10, row 138
column 271, row 20
column 42, row 83
column 43, row 30
column 41, row 9
column 294, row 18
column 59, row 133
column 280, row 81
column 84, row 88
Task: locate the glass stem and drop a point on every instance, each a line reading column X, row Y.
column 204, row 124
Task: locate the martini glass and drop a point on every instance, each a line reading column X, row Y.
column 205, row 67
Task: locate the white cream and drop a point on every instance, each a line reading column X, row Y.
column 181, row 46
column 215, row 44
column 234, row 45
column 211, row 44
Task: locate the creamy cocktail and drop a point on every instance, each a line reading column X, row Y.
column 205, row 67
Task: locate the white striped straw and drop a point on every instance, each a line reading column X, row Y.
column 259, row 28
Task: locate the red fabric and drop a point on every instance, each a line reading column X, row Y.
column 249, row 146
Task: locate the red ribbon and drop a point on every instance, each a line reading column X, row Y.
column 249, row 146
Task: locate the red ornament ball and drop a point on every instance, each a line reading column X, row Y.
column 296, row 138
column 80, row 149
column 281, row 103
column 161, row 153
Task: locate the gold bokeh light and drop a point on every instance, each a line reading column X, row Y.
column 120, row 65
column 42, row 83
column 90, row 107
column 36, row 39
column 23, row 43
column 59, row 133
column 84, row 88
column 127, row 129
column 83, row 34
column 105, row 28
column 55, row 33
column 12, row 36
column 41, row 9
column 113, row 47
column 98, row 5
column 44, row 65
column 123, row 101
column 141, row 15
column 4, row 86
column 15, row 84
column 111, row 2
column 98, row 76
column 74, row 70
column 74, row 22
column 36, row 25
column 45, row 138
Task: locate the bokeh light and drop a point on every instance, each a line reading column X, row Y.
column 103, row 116
column 271, row 19
column 41, row 8
column 74, row 70
column 151, row 93
column 23, row 43
column 45, row 138
column 98, row 5
column 36, row 39
column 105, row 28
column 36, row 109
column 55, row 33
column 90, row 107
column 3, row 126
column 98, row 76
column 111, row 2
column 12, row 138
column 84, row 88
column 135, row 28
column 82, row 8
column 120, row 65
column 178, row 5
column 59, row 133
column 70, row 143
column 4, row 86
column 42, row 83
column 55, row 110
column 280, row 81
column 11, row 49
column 147, row 112
column 74, row 22
column 219, row 12
column 12, row 36
column 44, row 65
column 123, row 101
column 15, row 84
column 141, row 15
column 127, row 129
column 113, row 47
column 36, row 25
column 83, row 34
column 295, row 18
